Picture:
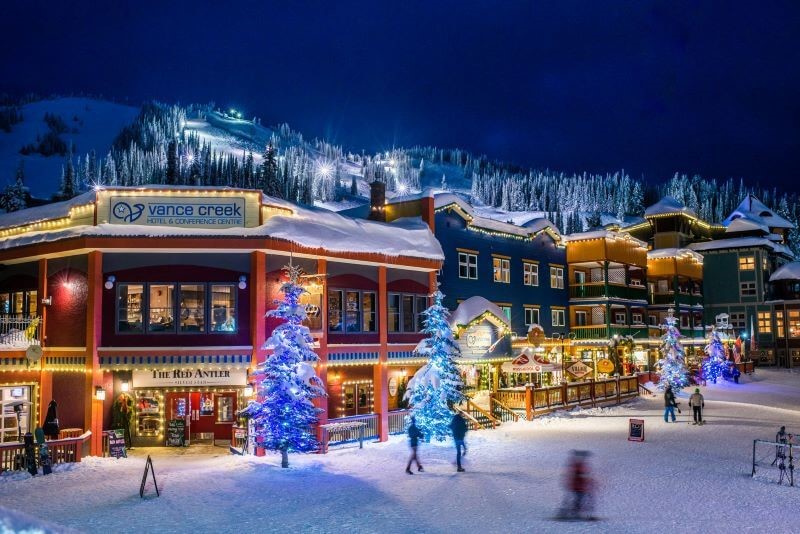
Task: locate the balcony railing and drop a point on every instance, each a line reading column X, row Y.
column 595, row 290
column 604, row 332
column 19, row 332
column 687, row 299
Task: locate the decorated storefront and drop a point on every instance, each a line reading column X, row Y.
column 193, row 399
column 482, row 332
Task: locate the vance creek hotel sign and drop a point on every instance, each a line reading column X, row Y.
column 182, row 211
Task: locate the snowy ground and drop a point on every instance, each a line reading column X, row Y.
column 684, row 478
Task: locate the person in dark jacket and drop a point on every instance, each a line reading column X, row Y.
column 669, row 404
column 459, row 427
column 50, row 425
column 413, row 441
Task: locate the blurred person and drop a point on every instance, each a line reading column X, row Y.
column 669, row 404
column 697, row 403
column 413, row 441
column 459, row 427
column 579, row 484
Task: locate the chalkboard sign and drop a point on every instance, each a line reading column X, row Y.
column 148, row 467
column 116, row 444
column 176, row 429
column 635, row 429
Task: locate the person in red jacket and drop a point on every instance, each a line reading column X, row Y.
column 579, row 483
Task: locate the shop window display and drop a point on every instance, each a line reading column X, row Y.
column 149, row 413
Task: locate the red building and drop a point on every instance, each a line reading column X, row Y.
column 155, row 298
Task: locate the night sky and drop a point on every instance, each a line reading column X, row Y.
column 697, row 87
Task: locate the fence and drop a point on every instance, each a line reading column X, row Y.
column 62, row 451
column 397, row 421
column 19, row 333
column 341, row 431
column 542, row 400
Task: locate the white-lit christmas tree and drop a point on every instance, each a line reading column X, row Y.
column 287, row 383
column 673, row 359
column 715, row 363
column 436, row 387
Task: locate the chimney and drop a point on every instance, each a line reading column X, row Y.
column 377, row 201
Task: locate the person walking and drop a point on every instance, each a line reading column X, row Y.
column 697, row 403
column 669, row 404
column 579, row 484
column 413, row 441
column 459, row 427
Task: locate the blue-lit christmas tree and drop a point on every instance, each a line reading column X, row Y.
column 287, row 383
column 715, row 363
column 436, row 387
column 672, row 362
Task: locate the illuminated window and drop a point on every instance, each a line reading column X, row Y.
column 161, row 311
column 353, row 311
column 764, row 323
column 335, row 299
column 501, row 269
column 530, row 274
column 557, row 317
column 405, row 312
column 506, row 311
column 779, row 324
column 557, row 278
column 747, row 263
column 794, row 323
column 467, row 266
column 192, row 308
column 223, row 308
column 130, row 308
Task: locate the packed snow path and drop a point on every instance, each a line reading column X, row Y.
column 683, row 478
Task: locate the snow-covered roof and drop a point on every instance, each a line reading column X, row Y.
column 600, row 234
column 425, row 193
column 668, row 205
column 673, row 253
column 746, row 223
column 790, row 271
column 741, row 242
column 308, row 227
column 474, row 307
column 537, row 224
column 533, row 226
column 56, row 210
column 755, row 209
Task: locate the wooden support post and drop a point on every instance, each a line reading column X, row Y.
column 564, row 395
column 619, row 395
column 380, row 382
column 93, row 413
column 529, row 403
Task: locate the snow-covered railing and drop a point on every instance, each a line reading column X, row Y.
column 346, row 429
column 533, row 399
column 397, row 421
column 62, row 451
column 19, row 332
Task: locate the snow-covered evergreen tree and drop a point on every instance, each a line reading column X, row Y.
column 436, row 387
column 673, row 359
column 287, row 382
column 16, row 196
column 715, row 362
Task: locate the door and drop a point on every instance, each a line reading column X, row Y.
column 179, row 406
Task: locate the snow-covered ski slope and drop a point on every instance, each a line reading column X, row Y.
column 93, row 125
column 683, row 478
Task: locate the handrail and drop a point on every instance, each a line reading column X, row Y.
column 644, row 391
column 471, row 420
column 508, row 411
column 483, row 412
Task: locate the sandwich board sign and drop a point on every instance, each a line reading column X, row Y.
column 635, row 429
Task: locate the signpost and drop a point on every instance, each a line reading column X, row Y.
column 579, row 369
column 635, row 429
column 176, row 430
column 116, row 444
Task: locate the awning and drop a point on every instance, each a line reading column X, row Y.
column 234, row 361
column 530, row 362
